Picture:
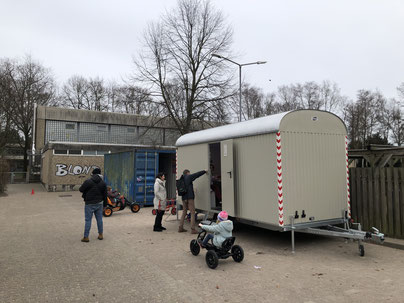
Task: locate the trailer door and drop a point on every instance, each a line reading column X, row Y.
column 227, row 164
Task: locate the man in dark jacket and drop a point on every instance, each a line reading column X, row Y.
column 188, row 199
column 94, row 192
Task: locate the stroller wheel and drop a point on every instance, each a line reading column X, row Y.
column 107, row 212
column 135, row 208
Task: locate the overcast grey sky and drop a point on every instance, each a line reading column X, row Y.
column 358, row 44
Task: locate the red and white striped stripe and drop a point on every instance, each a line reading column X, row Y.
column 176, row 169
column 348, row 193
column 279, row 173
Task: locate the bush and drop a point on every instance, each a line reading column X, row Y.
column 4, row 169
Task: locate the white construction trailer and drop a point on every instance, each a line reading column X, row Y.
column 286, row 172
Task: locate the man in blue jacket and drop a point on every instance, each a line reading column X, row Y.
column 94, row 192
column 188, row 200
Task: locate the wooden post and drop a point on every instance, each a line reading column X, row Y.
column 371, row 208
column 359, row 196
column 397, row 221
column 402, row 200
column 383, row 200
column 365, row 201
column 354, row 200
column 390, row 204
column 377, row 205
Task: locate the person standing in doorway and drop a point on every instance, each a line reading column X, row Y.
column 188, row 200
column 94, row 192
column 159, row 201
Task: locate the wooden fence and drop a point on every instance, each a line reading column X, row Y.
column 377, row 199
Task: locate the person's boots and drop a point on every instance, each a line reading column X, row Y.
column 85, row 239
column 156, row 228
column 100, row 236
column 181, row 229
column 160, row 215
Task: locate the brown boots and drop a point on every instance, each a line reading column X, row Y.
column 181, row 229
column 86, row 239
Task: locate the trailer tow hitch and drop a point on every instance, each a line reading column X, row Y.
column 355, row 234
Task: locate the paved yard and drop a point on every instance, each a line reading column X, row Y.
column 43, row 260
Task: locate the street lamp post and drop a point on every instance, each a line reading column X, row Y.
column 240, row 65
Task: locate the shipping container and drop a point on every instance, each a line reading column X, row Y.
column 133, row 173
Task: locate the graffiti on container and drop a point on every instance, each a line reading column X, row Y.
column 64, row 169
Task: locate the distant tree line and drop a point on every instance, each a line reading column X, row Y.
column 371, row 118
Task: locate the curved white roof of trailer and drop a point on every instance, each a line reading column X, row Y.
column 263, row 125
column 303, row 120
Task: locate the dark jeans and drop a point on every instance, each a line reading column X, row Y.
column 88, row 215
column 159, row 217
column 207, row 238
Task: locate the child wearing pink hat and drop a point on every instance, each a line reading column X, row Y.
column 219, row 231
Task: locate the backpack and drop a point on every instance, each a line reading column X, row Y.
column 181, row 187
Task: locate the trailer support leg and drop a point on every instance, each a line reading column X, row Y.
column 292, row 221
column 360, row 245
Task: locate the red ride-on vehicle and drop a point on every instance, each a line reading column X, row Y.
column 170, row 208
column 117, row 202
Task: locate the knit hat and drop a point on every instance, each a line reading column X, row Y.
column 223, row 216
column 96, row 171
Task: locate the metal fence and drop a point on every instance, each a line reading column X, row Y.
column 377, row 199
column 18, row 177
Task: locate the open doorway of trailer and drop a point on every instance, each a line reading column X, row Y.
column 215, row 170
column 167, row 166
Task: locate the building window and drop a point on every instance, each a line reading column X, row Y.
column 89, row 153
column 60, row 152
column 74, row 152
column 102, row 128
column 131, row 130
column 70, row 126
column 101, row 152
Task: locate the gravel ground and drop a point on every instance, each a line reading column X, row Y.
column 43, row 260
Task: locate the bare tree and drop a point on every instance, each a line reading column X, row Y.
column 330, row 96
column 400, row 91
column 252, row 102
column 74, row 93
column 81, row 93
column 135, row 100
column 176, row 62
column 365, row 119
column 21, row 85
column 96, row 95
column 396, row 124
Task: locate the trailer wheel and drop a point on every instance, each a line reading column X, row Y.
column 211, row 259
column 361, row 250
column 107, row 212
column 237, row 253
column 173, row 211
column 154, row 211
column 195, row 248
column 135, row 208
